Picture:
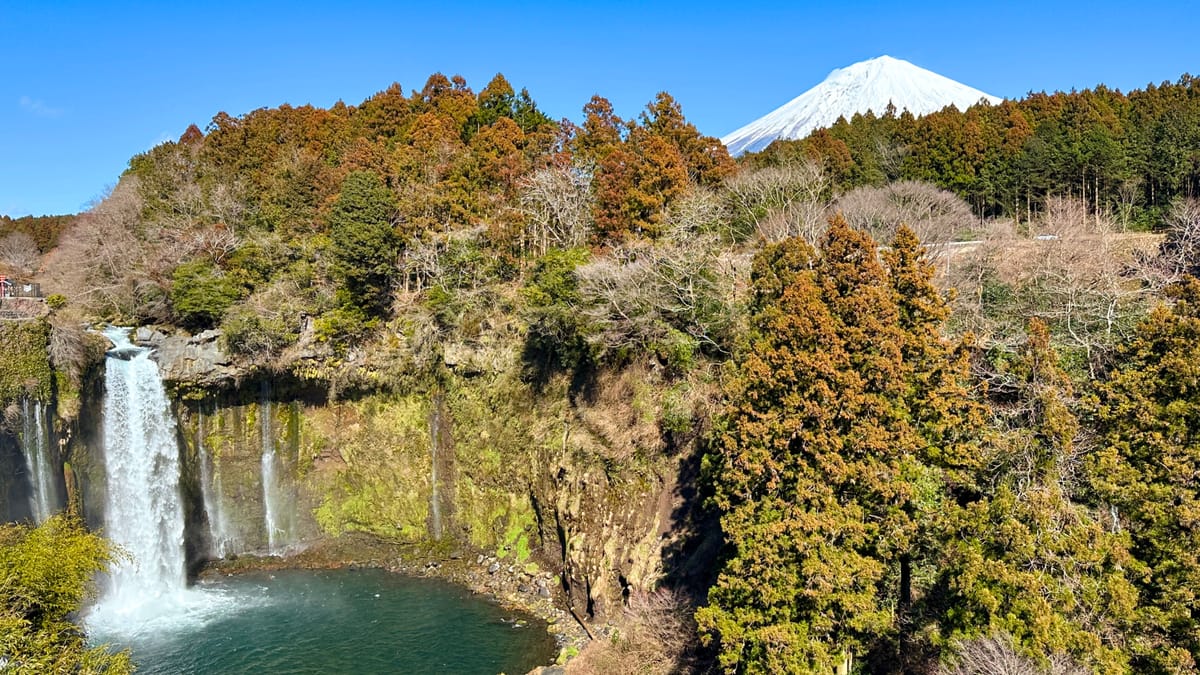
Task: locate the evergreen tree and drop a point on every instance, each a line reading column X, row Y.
column 824, row 480
column 1026, row 559
column 602, row 132
column 945, row 421
column 45, row 576
column 798, row 588
column 364, row 243
column 1146, row 473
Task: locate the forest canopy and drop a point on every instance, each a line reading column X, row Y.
column 1126, row 155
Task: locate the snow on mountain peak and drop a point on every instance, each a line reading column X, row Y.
column 867, row 85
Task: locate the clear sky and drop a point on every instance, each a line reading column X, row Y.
column 86, row 85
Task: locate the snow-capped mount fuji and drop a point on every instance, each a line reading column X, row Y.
column 868, row 85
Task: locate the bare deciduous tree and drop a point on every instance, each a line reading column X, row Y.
column 558, row 203
column 1180, row 252
column 115, row 262
column 19, row 253
column 1076, row 274
column 226, row 205
column 996, row 655
column 937, row 216
column 103, row 262
column 1067, row 217
column 781, row 201
column 656, row 634
column 1080, row 275
column 698, row 212
column 68, row 347
column 432, row 261
column 639, row 293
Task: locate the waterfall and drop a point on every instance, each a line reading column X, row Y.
column 270, row 482
column 279, row 498
column 210, row 492
column 143, row 510
column 35, row 443
column 147, row 589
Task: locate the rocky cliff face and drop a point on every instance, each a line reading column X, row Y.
column 14, row 482
column 582, row 481
column 193, row 360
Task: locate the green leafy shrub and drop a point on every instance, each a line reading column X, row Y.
column 343, row 324
column 25, row 367
column 556, row 339
column 678, row 350
column 677, row 414
column 45, row 575
column 201, row 292
column 247, row 333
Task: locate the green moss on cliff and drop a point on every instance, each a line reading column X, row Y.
column 498, row 454
column 25, row 366
column 581, row 484
column 377, row 450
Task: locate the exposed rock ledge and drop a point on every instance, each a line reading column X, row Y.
column 197, row 360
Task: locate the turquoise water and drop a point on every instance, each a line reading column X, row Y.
column 334, row 621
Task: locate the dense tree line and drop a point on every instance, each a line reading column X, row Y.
column 23, row 241
column 261, row 220
column 1128, row 155
column 43, row 230
column 881, row 507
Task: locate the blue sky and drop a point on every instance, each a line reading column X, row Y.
column 86, row 85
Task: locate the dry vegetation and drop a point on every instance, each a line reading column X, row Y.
column 655, row 635
column 996, row 655
column 18, row 254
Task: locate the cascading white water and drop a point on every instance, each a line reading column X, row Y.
column 146, row 593
column 435, row 500
column 143, row 512
column 35, row 443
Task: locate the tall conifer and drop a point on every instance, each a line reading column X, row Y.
column 1148, row 473
column 823, row 460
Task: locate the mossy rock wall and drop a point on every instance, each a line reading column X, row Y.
column 230, row 440
column 25, row 373
column 548, row 479
column 578, row 483
column 25, row 366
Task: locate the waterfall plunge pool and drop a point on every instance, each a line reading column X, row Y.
column 324, row 621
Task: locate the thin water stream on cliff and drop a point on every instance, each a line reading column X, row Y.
column 220, row 536
column 270, row 483
column 289, row 621
column 39, row 457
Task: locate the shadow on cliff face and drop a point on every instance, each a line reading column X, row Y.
column 656, row 632
column 690, row 559
column 542, row 362
column 14, row 482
